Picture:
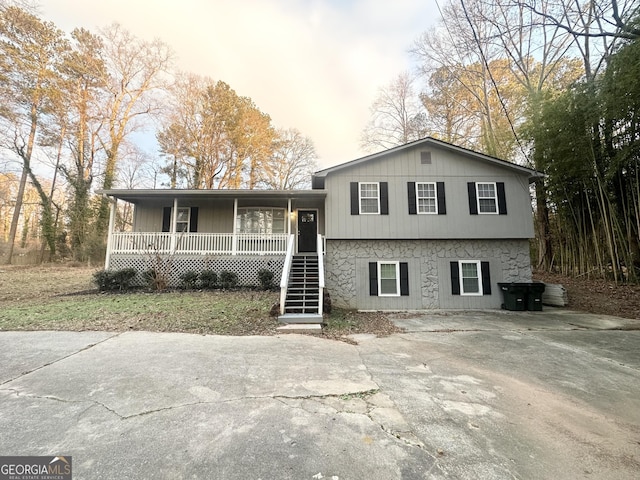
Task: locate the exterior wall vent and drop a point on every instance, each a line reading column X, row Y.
column 425, row 158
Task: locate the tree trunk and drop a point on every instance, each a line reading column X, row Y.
column 543, row 234
column 16, row 215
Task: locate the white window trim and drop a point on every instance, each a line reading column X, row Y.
column 377, row 184
column 478, row 264
column 188, row 221
column 418, row 197
column 495, row 198
column 397, row 265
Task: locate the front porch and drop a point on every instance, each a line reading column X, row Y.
column 215, row 222
column 221, row 230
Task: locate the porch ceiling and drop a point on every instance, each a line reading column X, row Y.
column 137, row 196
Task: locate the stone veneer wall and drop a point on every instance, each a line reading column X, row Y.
column 510, row 262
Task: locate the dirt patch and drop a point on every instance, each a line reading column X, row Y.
column 22, row 283
column 597, row 296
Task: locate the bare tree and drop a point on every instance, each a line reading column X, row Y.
column 293, row 161
column 614, row 19
column 397, row 116
column 595, row 26
column 137, row 71
column 465, row 54
column 214, row 138
column 29, row 52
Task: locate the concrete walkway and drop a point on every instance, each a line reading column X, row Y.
column 491, row 395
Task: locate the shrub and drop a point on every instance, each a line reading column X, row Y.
column 208, row 279
column 159, row 273
column 156, row 280
column 266, row 278
column 112, row 280
column 189, row 279
column 228, row 279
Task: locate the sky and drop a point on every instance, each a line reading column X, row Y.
column 314, row 65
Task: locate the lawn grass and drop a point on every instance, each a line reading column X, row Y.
column 63, row 297
column 215, row 312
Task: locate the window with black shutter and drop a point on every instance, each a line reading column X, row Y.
column 369, row 198
column 388, row 279
column 470, row 277
column 487, row 198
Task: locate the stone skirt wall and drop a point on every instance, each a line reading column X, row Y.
column 346, row 267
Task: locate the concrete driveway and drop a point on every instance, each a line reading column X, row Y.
column 474, row 395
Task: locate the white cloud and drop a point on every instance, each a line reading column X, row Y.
column 315, row 65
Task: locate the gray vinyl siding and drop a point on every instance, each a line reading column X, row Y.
column 413, row 301
column 455, row 171
column 147, row 219
column 212, row 218
column 215, row 217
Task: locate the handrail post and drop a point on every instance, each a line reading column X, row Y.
column 320, row 249
column 284, row 279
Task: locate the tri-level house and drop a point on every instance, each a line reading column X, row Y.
column 421, row 226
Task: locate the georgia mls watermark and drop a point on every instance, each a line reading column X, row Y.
column 35, row 468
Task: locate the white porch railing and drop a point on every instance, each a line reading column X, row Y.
column 201, row 243
column 284, row 279
column 320, row 246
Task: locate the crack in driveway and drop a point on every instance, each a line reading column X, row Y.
column 48, row 364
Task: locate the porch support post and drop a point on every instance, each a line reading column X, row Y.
column 234, row 245
column 112, row 221
column 289, row 217
column 174, row 218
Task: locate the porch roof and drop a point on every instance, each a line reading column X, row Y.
column 140, row 195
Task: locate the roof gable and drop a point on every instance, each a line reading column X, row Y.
column 319, row 176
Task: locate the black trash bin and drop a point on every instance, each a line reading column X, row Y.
column 514, row 295
column 534, row 296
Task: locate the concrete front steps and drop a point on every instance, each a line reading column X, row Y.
column 302, row 304
column 300, row 328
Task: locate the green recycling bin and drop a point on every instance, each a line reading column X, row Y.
column 514, row 295
column 534, row 296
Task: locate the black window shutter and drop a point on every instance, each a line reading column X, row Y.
column 166, row 219
column 455, row 278
column 404, row 278
column 473, row 204
column 355, row 199
column 502, row 199
column 411, row 194
column 373, row 279
column 486, row 278
column 384, row 198
column 442, row 204
column 193, row 220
